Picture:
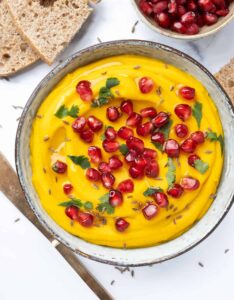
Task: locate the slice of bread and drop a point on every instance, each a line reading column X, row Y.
column 15, row 54
column 226, row 77
column 49, row 25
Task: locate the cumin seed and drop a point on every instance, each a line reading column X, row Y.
column 112, row 282
column 137, row 67
column 16, row 220
column 129, row 196
column 179, row 217
column 168, row 217
column 208, row 152
column 159, row 90
column 44, row 170
column 39, row 116
column 49, row 191
column 46, row 138
column 66, row 122
column 104, row 73
column 226, row 250
column 200, row 264
column 134, row 26
column 99, row 40
column 174, row 221
column 96, row 187
column 172, row 88
column 17, row 107
column 132, row 273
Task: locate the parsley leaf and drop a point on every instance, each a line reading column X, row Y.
column 88, row 205
column 197, row 112
column 123, row 149
column 105, row 206
column 201, row 166
column 151, row 191
column 75, row 202
column 111, row 82
column 213, row 137
column 166, row 129
column 158, row 145
column 81, row 161
column 63, row 112
column 171, row 173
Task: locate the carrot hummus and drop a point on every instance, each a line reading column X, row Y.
column 127, row 152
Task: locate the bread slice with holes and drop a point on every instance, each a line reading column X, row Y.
column 49, row 25
column 15, row 53
column 226, row 77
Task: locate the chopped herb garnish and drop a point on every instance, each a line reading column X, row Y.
column 105, row 94
column 81, row 161
column 158, row 145
column 88, row 205
column 75, row 202
column 201, row 166
column 166, row 129
column 63, row 112
column 171, row 173
column 123, row 149
column 104, row 205
column 197, row 112
column 213, row 137
column 152, row 190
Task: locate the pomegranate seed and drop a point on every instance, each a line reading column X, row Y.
column 112, row 113
column 172, row 148
column 126, row 186
column 115, row 163
column 192, row 29
column 160, row 120
column 127, row 107
column 108, row 180
column 140, row 162
column 181, row 130
column 115, row 198
column 222, row 12
column 187, row 19
column 219, row 3
column 172, row 7
column 181, row 10
column 189, row 183
column 188, row 146
column 181, row 2
column 135, row 171
column 95, row 154
column 163, row 20
column 175, row 191
column 67, row 188
column 191, row 5
column 160, row 7
column 149, row 153
column 148, row 112
column 150, row 211
column 158, row 137
column 104, row 167
column 134, row 119
column 72, row 212
column 200, row 20
column 183, row 111
column 205, row 5
column 85, row 219
column 161, row 199
column 110, row 134
column 125, row 132
column 83, row 88
column 192, row 159
column 198, row 137
column 130, row 156
column 146, row 7
column 93, row 174
column 87, row 135
column 94, row 123
column 152, row 169
column 136, row 144
column 146, row 85
column 210, row 18
column 79, row 124
column 121, row 224
column 110, row 146
column 59, row 167
column 144, row 129
column 179, row 27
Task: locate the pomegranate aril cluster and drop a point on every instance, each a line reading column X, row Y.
column 184, row 16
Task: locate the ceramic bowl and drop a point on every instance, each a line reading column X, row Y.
column 204, row 31
column 141, row 256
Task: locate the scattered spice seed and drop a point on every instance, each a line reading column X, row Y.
column 179, row 217
column 172, row 88
column 49, row 191
column 159, row 90
column 132, row 273
column 129, row 196
column 46, row 138
column 124, row 246
column 174, row 221
column 17, row 107
column 53, row 150
column 44, row 170
column 99, row 40
column 212, row 196
column 171, row 206
column 208, row 152
column 137, row 67
column 104, row 73
column 66, row 122
column 122, row 270
column 39, row 116
column 175, row 209
column 134, row 26
column 168, row 217
column 56, row 179
column 186, row 206
column 201, row 264
column 72, row 223
column 226, row 251
column 117, row 93
column 112, row 282
column 96, row 187
column 17, row 220
column 135, row 209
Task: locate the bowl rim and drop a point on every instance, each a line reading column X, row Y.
column 175, row 35
column 48, row 77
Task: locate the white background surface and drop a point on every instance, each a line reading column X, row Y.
column 31, row 269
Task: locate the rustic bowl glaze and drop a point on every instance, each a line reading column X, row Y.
column 141, row 256
column 204, row 31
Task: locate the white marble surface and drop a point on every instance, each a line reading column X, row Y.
column 180, row 278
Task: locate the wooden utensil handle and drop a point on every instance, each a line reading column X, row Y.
column 10, row 186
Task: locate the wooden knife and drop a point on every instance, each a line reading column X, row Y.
column 10, row 186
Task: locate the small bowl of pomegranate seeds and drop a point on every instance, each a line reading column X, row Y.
column 185, row 19
column 126, row 155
